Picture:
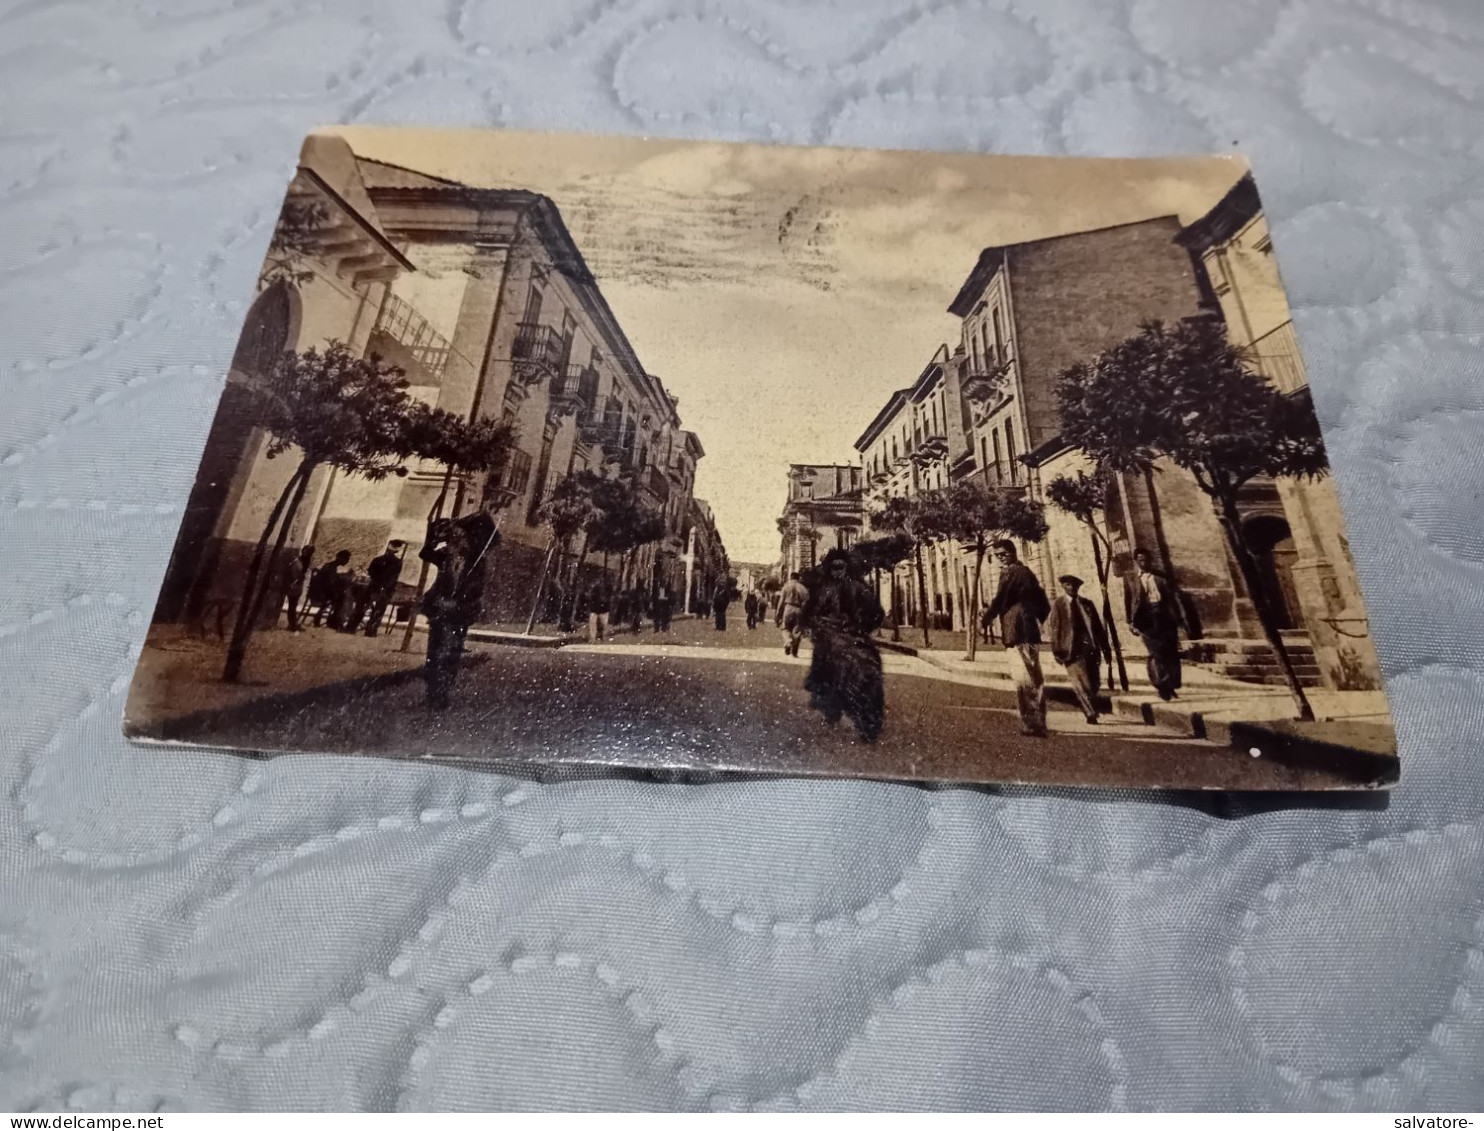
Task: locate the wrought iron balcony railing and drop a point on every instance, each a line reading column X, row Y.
column 539, row 353
column 575, row 390
column 410, row 330
column 1277, row 358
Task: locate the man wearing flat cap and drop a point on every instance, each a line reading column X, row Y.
column 1077, row 640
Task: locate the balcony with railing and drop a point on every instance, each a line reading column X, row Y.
column 576, row 390
column 404, row 337
column 1276, row 355
column 930, row 448
column 653, row 480
column 983, row 382
column 539, row 353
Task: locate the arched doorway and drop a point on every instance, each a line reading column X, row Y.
column 1271, row 542
column 268, row 330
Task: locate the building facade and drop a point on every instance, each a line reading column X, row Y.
column 824, row 510
column 1295, row 527
column 484, row 300
column 985, row 410
column 909, row 448
column 705, row 567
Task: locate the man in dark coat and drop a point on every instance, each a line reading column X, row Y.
column 749, row 603
column 1021, row 605
column 659, row 607
column 327, row 590
column 1153, row 607
column 382, row 575
column 719, row 604
column 599, row 601
column 840, row 614
column 1075, row 632
column 459, row 549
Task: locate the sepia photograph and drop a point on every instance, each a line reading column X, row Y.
column 560, row 450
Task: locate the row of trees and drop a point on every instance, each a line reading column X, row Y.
column 333, row 409
column 969, row 513
column 607, row 516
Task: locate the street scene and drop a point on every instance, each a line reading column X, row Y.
column 446, row 512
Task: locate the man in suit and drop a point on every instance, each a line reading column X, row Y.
column 1021, row 605
column 382, row 575
column 1077, row 641
column 1153, row 609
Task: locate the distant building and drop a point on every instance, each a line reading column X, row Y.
column 482, row 297
column 824, row 510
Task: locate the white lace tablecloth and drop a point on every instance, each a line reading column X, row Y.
column 187, row 930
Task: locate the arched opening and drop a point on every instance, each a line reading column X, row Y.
column 1270, row 539
column 268, row 330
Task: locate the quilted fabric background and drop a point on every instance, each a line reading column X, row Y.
column 184, row 930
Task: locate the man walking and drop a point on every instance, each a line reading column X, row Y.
column 1077, row 641
column 791, row 602
column 719, row 603
column 750, row 605
column 382, row 575
column 598, row 604
column 1021, row 605
column 659, row 608
column 1153, row 609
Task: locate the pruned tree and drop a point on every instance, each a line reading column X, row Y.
column 1184, row 393
column 335, row 409
column 1085, row 497
column 567, row 510
column 915, row 519
column 976, row 516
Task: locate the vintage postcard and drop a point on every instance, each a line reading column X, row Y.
column 561, row 450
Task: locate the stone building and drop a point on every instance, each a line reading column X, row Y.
column 905, row 450
column 986, row 410
column 486, row 302
column 705, row 566
column 1295, row 527
column 824, row 510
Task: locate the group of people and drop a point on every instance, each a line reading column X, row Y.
column 1076, row 634
column 340, row 595
column 840, row 612
column 605, row 608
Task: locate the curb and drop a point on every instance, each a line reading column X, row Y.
column 520, row 640
column 1273, row 742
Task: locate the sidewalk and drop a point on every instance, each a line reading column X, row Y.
column 180, row 674
column 1347, row 725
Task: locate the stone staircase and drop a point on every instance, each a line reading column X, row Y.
column 1253, row 661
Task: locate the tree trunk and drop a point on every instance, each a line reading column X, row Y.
column 979, row 551
column 1103, row 568
column 242, row 627
column 921, row 592
column 541, row 586
column 1231, row 521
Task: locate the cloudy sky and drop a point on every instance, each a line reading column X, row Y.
column 783, row 293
